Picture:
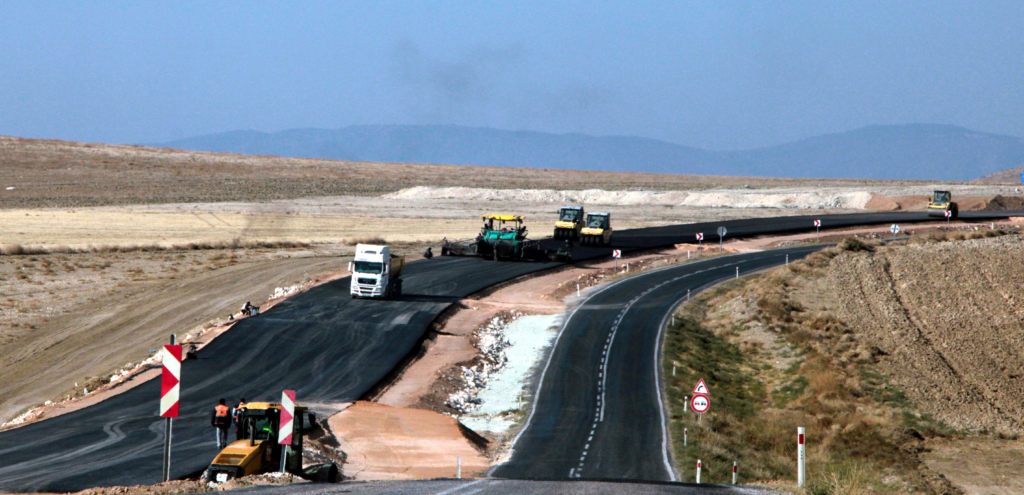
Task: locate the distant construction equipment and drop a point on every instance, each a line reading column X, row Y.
column 570, row 222
column 598, row 231
column 941, row 202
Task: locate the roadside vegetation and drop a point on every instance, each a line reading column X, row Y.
column 775, row 358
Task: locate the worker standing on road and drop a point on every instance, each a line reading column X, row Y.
column 428, row 254
column 221, row 419
column 236, row 416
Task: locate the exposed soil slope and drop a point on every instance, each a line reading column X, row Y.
column 949, row 320
column 92, row 333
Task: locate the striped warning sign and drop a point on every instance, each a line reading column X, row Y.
column 284, row 434
column 170, row 382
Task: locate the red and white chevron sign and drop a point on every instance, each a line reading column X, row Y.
column 170, row 383
column 700, row 236
column 284, row 434
column 817, row 223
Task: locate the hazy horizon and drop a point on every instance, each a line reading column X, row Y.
column 719, row 77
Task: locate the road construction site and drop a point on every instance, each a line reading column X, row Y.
column 292, row 338
column 96, row 282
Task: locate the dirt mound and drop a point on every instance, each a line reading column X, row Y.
column 1004, row 203
column 881, row 203
column 383, row 442
column 948, row 321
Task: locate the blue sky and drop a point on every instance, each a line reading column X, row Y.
column 719, row 75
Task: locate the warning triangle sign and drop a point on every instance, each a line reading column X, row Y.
column 701, row 389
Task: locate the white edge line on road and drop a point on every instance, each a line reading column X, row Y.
column 460, row 487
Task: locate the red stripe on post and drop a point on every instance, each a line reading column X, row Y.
column 800, row 439
column 734, row 468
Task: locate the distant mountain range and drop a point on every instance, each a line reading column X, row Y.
column 914, row 151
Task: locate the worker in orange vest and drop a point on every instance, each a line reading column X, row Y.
column 221, row 419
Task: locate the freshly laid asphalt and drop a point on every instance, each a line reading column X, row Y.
column 598, row 410
column 329, row 349
column 502, row 487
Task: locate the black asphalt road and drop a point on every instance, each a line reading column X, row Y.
column 502, row 487
column 598, row 411
column 320, row 343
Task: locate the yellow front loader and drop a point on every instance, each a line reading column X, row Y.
column 258, row 452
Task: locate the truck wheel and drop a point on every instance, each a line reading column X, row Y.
column 444, row 251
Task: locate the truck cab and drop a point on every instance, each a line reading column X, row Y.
column 376, row 272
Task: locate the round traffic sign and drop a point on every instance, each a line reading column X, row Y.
column 721, row 231
column 700, row 403
column 895, row 229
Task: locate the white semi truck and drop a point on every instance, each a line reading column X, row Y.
column 376, row 272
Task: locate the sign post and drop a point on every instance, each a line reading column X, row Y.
column 895, row 229
column 949, row 214
column 701, row 401
column 721, row 233
column 700, row 242
column 817, row 230
column 284, row 433
column 170, row 391
column 800, row 457
column 616, row 254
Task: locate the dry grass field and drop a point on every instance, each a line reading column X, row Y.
column 49, row 173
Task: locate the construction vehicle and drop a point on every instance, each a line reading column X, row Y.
column 570, row 221
column 941, row 202
column 598, row 231
column 258, row 452
column 376, row 272
column 501, row 237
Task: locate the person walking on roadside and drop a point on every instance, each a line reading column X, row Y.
column 221, row 420
column 236, row 415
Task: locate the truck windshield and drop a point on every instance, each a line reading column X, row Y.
column 368, row 267
column 598, row 223
column 570, row 215
column 942, row 197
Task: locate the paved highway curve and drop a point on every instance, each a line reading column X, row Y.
column 320, row 343
column 598, row 411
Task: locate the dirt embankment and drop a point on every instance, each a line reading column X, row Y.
column 949, row 320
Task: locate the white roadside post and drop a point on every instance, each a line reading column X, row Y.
column 737, row 272
column 698, row 471
column 284, row 433
column 735, row 469
column 686, row 403
column 787, row 259
column 800, row 457
column 458, row 468
column 686, row 433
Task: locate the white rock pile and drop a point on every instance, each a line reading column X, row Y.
column 492, row 342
